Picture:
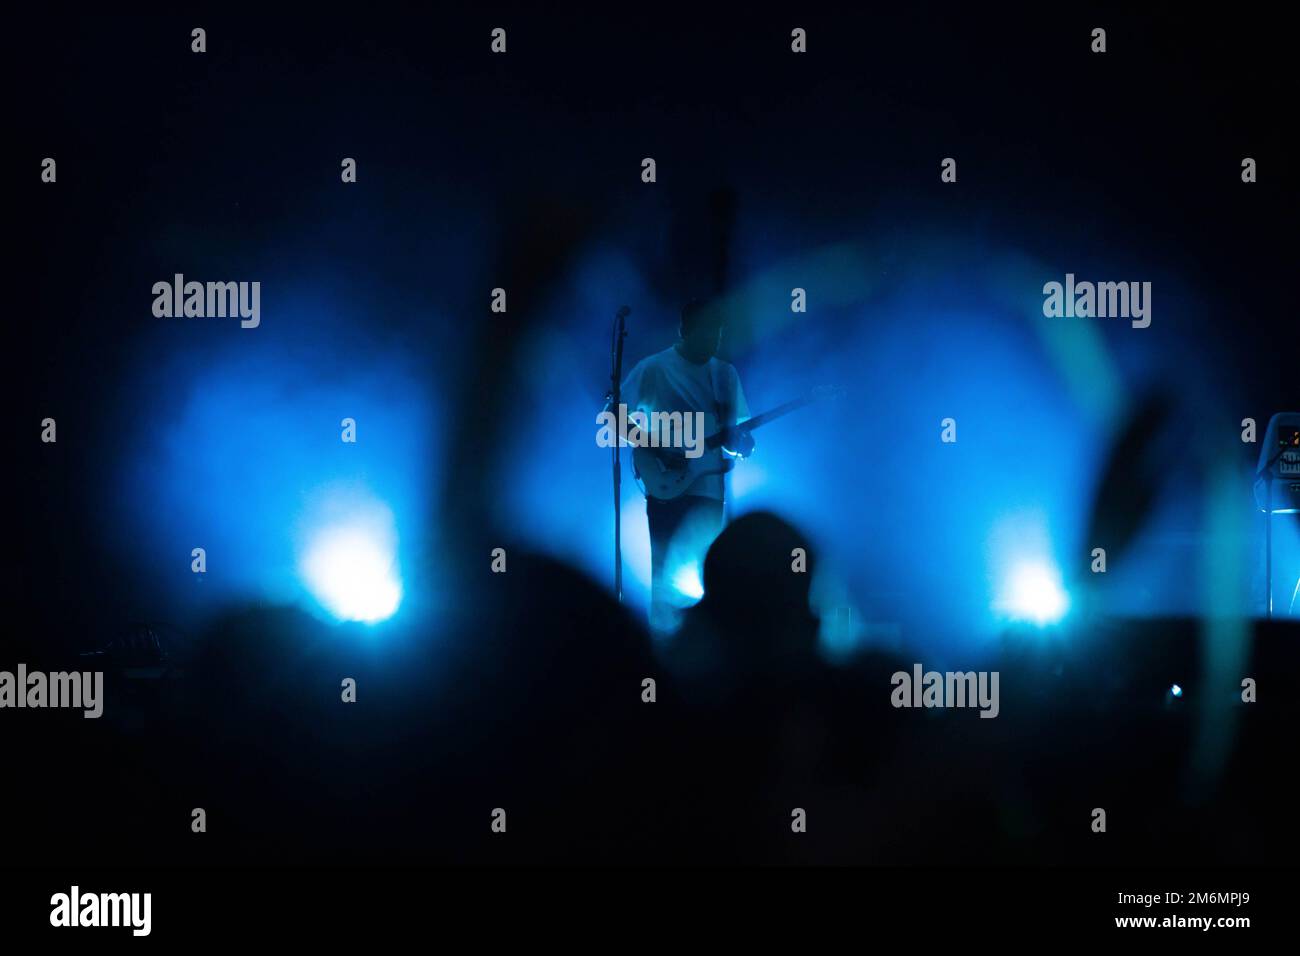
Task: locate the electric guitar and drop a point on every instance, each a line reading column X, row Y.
column 665, row 473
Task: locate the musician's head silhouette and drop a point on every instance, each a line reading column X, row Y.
column 701, row 330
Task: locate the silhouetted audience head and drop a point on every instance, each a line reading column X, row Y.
column 754, row 625
column 757, row 578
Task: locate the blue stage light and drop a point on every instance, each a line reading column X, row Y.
column 686, row 579
column 1176, row 690
column 1033, row 592
column 352, row 572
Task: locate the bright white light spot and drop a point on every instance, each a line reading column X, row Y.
column 1176, row 691
column 686, row 579
column 1034, row 593
column 351, row 569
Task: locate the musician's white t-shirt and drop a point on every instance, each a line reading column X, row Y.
column 666, row 382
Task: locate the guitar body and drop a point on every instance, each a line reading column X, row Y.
column 666, row 473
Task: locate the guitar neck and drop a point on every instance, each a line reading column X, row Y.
column 714, row 440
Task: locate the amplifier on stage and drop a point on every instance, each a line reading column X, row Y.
column 1277, row 482
column 1277, row 488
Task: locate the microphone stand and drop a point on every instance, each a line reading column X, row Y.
column 616, row 399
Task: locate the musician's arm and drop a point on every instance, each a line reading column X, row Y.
column 738, row 443
column 630, row 397
column 624, row 427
